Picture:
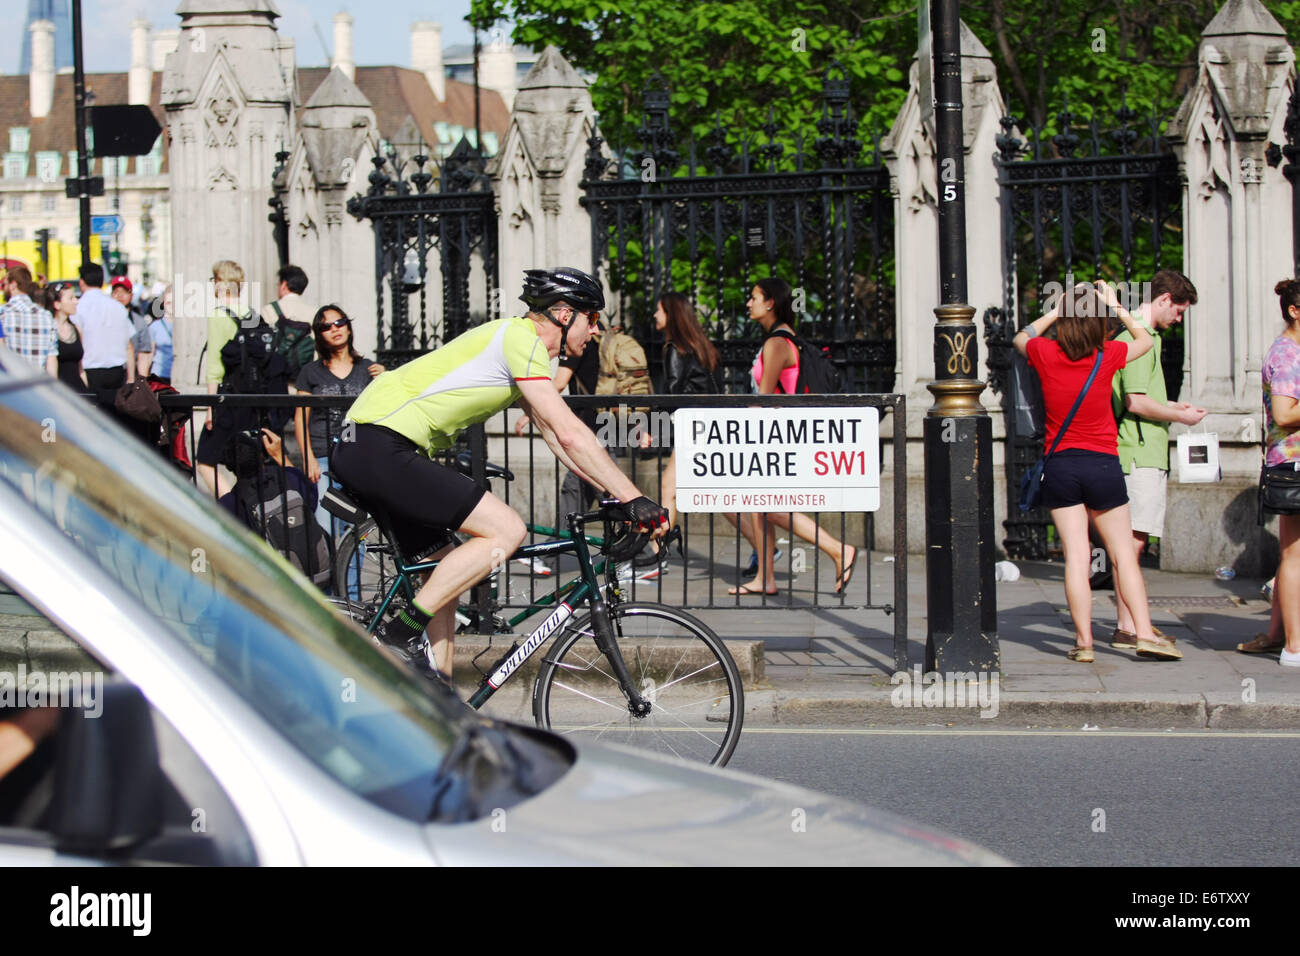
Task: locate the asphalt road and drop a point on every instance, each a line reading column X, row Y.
column 1192, row 798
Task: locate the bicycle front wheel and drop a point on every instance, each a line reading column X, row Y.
column 675, row 661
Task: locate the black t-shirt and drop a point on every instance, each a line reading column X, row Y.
column 318, row 380
column 586, row 372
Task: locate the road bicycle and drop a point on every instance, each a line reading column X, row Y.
column 365, row 565
column 640, row 674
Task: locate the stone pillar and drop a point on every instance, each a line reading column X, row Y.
column 41, row 78
column 909, row 154
column 1237, row 228
column 426, row 56
column 164, row 42
column 139, row 80
column 227, row 90
column 342, row 59
column 537, row 173
column 330, row 163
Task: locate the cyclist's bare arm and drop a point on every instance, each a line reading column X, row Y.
column 562, row 376
column 572, row 441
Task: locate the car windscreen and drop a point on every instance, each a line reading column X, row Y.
column 238, row 606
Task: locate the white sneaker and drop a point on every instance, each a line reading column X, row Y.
column 535, row 566
column 1287, row 659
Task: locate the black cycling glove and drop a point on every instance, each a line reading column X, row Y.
column 646, row 513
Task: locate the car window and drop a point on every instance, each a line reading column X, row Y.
column 199, row 822
column 229, row 599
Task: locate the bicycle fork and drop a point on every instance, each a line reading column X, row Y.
column 607, row 644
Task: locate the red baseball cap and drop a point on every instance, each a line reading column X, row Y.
column 123, row 282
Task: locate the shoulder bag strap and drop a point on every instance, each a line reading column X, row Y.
column 1096, row 366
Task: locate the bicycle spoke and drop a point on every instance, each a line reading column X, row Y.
column 706, row 667
column 574, row 690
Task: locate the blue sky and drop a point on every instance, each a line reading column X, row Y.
column 107, row 27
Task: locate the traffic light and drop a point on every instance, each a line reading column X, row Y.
column 117, row 262
column 43, row 247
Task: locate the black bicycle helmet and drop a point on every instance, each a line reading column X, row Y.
column 545, row 287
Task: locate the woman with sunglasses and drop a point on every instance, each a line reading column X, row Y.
column 340, row 370
column 60, row 299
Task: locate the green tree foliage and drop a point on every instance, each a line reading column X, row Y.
column 724, row 60
column 735, row 59
column 1088, row 52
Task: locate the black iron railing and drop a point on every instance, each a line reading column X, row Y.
column 712, row 218
column 714, row 552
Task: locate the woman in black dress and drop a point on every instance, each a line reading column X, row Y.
column 60, row 299
column 690, row 368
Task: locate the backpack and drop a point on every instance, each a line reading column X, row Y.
column 818, row 375
column 253, row 367
column 275, row 508
column 623, row 367
column 294, row 341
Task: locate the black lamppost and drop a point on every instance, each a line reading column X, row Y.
column 146, row 230
column 1292, row 169
column 958, row 433
column 81, row 191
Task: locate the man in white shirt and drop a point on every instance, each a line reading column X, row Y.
column 106, row 333
column 289, row 303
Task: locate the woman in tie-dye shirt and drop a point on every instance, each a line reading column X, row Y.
column 1281, row 375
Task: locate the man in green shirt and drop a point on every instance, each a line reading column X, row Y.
column 1144, row 412
column 405, row 416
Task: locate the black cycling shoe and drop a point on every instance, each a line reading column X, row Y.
column 413, row 651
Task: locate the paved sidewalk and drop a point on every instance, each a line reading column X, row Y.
column 834, row 667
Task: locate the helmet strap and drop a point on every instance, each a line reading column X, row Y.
column 556, row 322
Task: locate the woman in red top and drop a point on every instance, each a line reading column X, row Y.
column 1083, row 480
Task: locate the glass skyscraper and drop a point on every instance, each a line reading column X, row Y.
column 60, row 13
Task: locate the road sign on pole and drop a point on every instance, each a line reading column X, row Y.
column 106, row 225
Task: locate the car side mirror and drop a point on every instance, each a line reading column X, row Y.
column 108, row 784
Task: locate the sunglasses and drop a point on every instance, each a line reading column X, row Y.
column 336, row 324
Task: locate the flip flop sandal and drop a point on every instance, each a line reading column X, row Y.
column 847, row 574
column 1081, row 654
column 1260, row 644
column 744, row 590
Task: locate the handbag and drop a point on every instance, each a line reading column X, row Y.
column 137, row 400
column 1027, row 392
column 1279, row 490
column 1031, row 486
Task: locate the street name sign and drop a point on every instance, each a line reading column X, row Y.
column 106, row 225
column 777, row 459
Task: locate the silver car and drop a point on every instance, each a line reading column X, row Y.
column 214, row 710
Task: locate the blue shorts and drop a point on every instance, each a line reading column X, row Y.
column 1076, row 476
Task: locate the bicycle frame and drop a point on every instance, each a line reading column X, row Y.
column 585, row 589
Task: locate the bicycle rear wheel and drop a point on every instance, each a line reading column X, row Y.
column 676, row 662
column 364, row 564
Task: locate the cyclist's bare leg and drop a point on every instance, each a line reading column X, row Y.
column 495, row 533
column 441, row 631
column 442, row 635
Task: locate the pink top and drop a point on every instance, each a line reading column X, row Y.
column 789, row 376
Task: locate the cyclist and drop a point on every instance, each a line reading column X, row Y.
column 405, row 416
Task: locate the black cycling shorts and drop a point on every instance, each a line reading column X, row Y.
column 421, row 499
column 1078, row 476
